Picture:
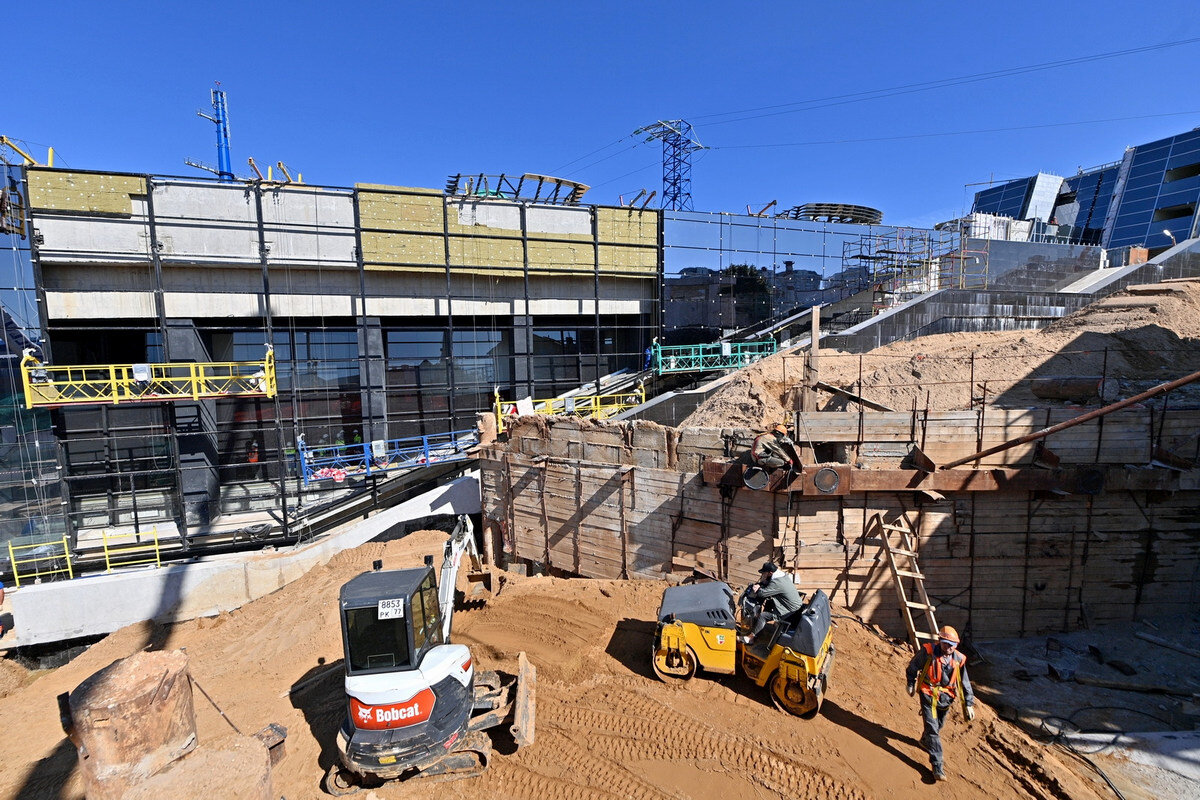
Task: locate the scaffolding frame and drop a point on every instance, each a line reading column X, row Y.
column 902, row 264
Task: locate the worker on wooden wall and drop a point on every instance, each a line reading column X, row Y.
column 774, row 449
column 940, row 672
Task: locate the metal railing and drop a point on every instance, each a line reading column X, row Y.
column 339, row 462
column 47, row 385
column 39, row 554
column 137, row 549
column 706, row 357
column 592, row 406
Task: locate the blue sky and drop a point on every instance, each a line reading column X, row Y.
column 408, row 93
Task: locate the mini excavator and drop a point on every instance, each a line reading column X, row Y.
column 417, row 708
column 699, row 628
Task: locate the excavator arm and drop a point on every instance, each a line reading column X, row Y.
column 460, row 545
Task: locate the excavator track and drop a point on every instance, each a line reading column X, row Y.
column 466, row 761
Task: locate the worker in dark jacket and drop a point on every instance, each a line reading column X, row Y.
column 775, row 595
column 939, row 671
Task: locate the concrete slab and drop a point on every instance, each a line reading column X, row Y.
column 97, row 604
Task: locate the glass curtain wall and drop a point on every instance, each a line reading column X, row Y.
column 724, row 271
column 31, row 510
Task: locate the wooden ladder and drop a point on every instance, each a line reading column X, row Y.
column 902, row 562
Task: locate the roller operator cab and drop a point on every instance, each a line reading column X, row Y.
column 699, row 628
column 410, row 694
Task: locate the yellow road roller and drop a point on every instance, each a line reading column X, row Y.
column 699, row 628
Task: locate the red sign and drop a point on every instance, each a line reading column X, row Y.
column 393, row 715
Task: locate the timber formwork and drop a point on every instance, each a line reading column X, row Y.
column 1009, row 546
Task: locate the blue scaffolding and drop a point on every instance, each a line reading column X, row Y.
column 361, row 460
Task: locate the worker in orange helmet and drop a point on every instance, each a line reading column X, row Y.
column 940, row 672
column 773, row 449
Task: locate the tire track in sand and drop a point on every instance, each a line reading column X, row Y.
column 656, row 732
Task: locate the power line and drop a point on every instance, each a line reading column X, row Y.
column 911, row 88
column 556, row 170
column 950, row 133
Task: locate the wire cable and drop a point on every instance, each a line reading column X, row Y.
column 875, row 94
column 950, row 133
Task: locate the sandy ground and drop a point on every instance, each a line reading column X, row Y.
column 1135, row 340
column 606, row 728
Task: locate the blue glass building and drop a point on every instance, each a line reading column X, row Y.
column 1147, row 198
column 1160, row 191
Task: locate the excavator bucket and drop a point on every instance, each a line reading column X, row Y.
column 524, row 706
column 480, row 581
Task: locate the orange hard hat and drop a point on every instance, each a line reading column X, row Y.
column 949, row 634
column 779, row 426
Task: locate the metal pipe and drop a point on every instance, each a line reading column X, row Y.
column 1099, row 412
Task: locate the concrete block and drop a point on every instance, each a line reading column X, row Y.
column 558, row 447
column 533, row 446
column 603, row 454
column 650, row 437
column 607, row 437
column 701, row 438
column 653, row 459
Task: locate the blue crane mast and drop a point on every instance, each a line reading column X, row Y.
column 220, row 118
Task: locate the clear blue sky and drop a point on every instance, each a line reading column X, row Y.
column 408, row 93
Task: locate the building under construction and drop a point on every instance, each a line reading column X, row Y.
column 379, row 321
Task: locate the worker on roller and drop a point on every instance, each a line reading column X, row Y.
column 939, row 671
column 774, row 449
column 772, row 597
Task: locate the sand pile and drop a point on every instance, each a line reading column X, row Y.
column 1135, row 340
column 605, row 727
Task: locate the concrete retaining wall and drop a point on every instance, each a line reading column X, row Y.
column 97, row 604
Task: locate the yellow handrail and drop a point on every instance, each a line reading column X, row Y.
column 592, row 406
column 47, row 385
column 51, row 557
column 110, row 552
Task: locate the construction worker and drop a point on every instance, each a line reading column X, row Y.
column 773, row 449
column 940, row 672
column 774, row 596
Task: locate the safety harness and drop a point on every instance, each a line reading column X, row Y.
column 933, row 680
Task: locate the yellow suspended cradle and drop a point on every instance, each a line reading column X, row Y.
column 592, row 406
column 49, row 386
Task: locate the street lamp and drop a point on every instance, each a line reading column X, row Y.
column 1171, row 236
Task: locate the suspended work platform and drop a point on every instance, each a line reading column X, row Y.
column 707, row 357
column 364, row 459
column 591, row 406
column 50, row 386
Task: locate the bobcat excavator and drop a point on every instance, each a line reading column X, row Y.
column 417, row 708
column 699, row 628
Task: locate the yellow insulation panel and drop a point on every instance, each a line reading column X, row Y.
column 627, row 226
column 403, row 248
column 629, row 260
column 60, row 190
column 478, row 251
column 562, row 255
column 418, row 210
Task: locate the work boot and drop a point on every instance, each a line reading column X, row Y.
column 939, row 774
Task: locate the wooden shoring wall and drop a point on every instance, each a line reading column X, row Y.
column 628, row 500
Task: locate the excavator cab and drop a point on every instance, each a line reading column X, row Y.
column 389, row 620
column 416, row 706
